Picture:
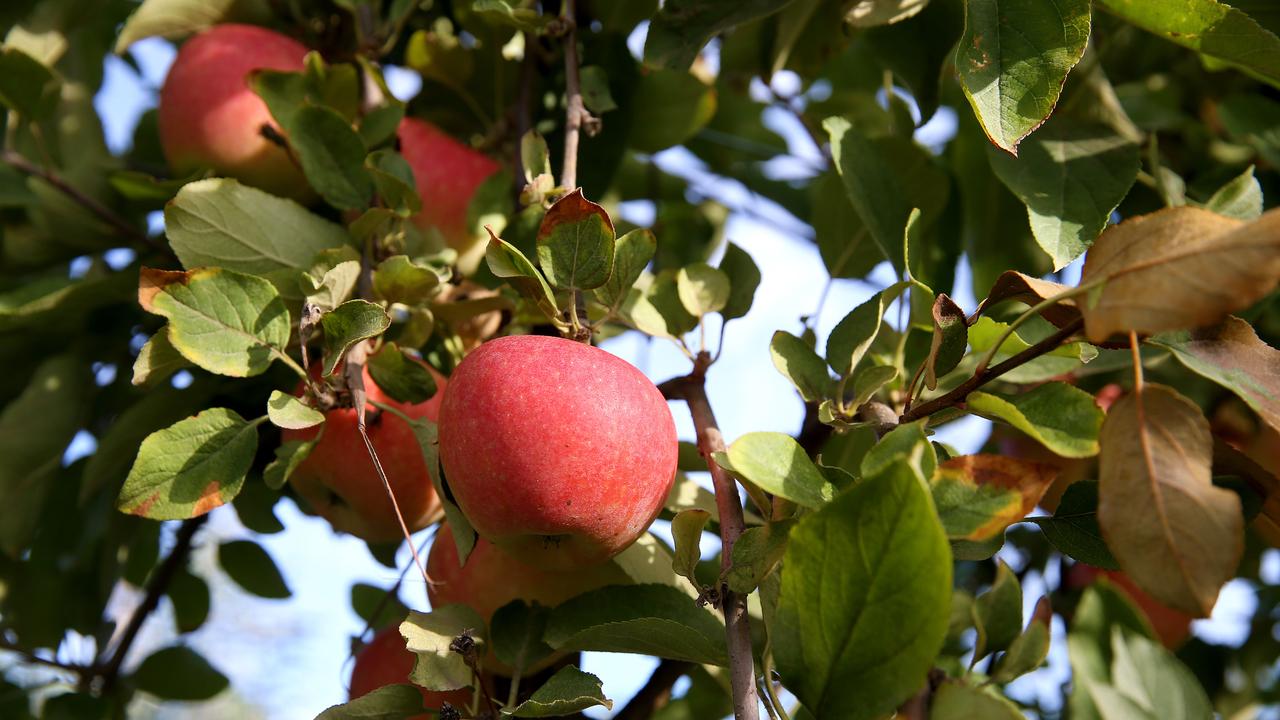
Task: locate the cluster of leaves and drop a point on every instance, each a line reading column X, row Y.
column 869, row 548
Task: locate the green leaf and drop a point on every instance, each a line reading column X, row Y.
column 1254, row 120
column 595, row 90
column 252, row 569
column 1232, row 355
column 220, row 222
column 517, row 630
column 1213, row 29
column 348, row 324
column 680, row 30
column 1073, row 528
column 336, row 285
column 632, row 252
column 402, row 377
column 950, row 339
column 686, row 530
column 885, row 179
column 658, row 310
column 955, row 701
column 535, row 157
column 1071, row 176
column 379, row 125
column 1061, row 417
column 997, row 613
column 1014, row 57
column 565, row 693
column 1241, row 198
column 175, row 19
column 428, row 635
column 288, row 411
column 702, row 289
column 644, row 619
column 331, row 154
column 1147, row 677
column 393, row 179
column 503, row 12
column 255, row 507
column 978, row 496
column 1064, row 359
column 223, row 321
column 777, row 464
column 798, row 362
column 179, row 673
column 576, row 243
column 190, row 467
column 1029, row 650
column 26, row 85
column 397, row 279
column 1101, row 610
column 667, row 108
column 756, row 553
column 190, row 597
column 507, row 262
column 866, row 586
column 289, row 456
column 906, row 442
column 868, row 381
column 744, row 278
column 871, row 13
column 35, row 429
column 401, row 701
column 852, row 337
column 377, row 606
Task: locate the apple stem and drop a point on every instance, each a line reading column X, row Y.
column 692, row 389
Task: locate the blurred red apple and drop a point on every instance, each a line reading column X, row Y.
column 447, row 173
column 558, row 452
column 210, row 118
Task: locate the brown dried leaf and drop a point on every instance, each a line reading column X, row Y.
column 1013, row 285
column 950, row 338
column 1177, row 535
column 1232, row 355
column 1178, row 268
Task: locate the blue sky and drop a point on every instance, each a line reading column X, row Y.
column 288, row 658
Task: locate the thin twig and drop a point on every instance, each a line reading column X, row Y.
column 576, row 115
column 692, row 389
column 31, row 658
column 157, row 585
column 957, row 395
column 122, row 227
column 656, row 693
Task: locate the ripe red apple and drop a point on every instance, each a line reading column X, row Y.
column 1172, row 626
column 386, row 661
column 338, row 479
column 210, row 118
column 558, row 452
column 447, row 173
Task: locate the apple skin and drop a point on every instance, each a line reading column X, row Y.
column 447, row 173
column 209, row 117
column 386, row 661
column 1172, row 627
column 338, row 479
column 558, row 452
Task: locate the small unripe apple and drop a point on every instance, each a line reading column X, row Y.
column 338, row 479
column 558, row 452
column 210, row 118
column 447, row 173
column 386, row 661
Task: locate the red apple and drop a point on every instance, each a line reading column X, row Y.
column 1172, row 626
column 447, row 173
column 386, row 661
column 210, row 118
column 558, row 452
column 338, row 479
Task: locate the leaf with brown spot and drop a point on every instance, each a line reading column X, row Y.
column 978, row 496
column 1232, row 355
column 576, row 243
column 1178, row 268
column 950, row 338
column 1177, row 535
column 190, row 467
column 1013, row 285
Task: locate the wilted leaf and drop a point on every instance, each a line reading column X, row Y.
column 191, row 467
column 336, row 285
column 1188, row 536
column 576, row 243
column 219, row 222
column 1013, row 59
column 1027, row 290
column 1059, row 416
column 866, row 585
column 686, row 530
column 978, row 496
column 1178, row 268
column 950, row 339
column 224, row 321
column 428, row 635
column 348, row 324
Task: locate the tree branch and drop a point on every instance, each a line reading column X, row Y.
column 961, row 391
column 692, row 389
column 33, row 659
column 122, row 227
column 157, row 584
column 656, row 693
column 576, row 115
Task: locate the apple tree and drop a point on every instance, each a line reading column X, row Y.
column 386, row 309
